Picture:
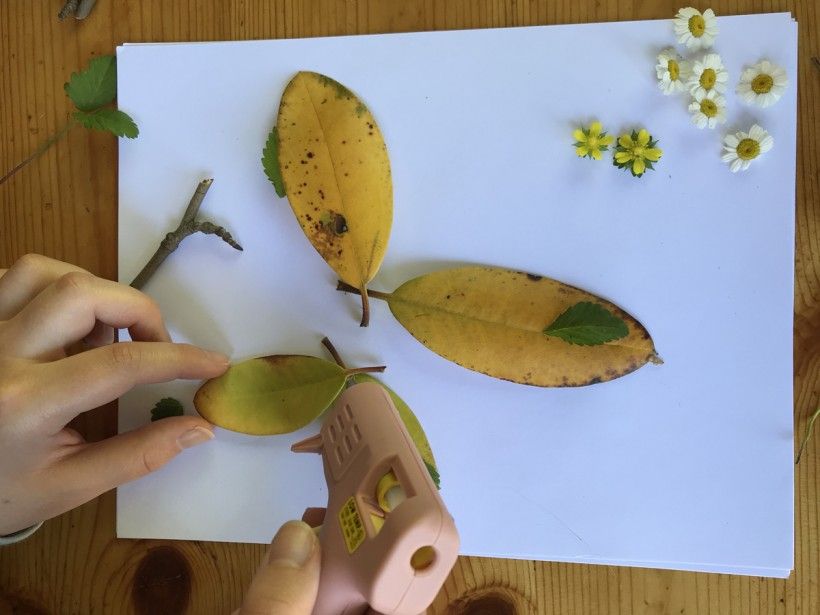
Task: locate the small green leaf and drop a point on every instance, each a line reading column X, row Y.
column 95, row 86
column 434, row 475
column 165, row 407
column 114, row 121
column 587, row 324
column 270, row 162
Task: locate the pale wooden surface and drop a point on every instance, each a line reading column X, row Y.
column 65, row 205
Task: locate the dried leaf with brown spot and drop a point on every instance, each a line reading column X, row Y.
column 336, row 172
column 492, row 320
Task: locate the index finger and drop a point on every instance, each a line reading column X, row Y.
column 28, row 277
column 93, row 378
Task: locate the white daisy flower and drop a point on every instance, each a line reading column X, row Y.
column 708, row 109
column 743, row 147
column 694, row 29
column 707, row 74
column 672, row 71
column 763, row 84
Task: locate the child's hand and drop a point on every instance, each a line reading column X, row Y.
column 47, row 468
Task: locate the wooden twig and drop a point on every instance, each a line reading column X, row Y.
column 85, row 8
column 189, row 225
column 78, row 9
column 69, row 9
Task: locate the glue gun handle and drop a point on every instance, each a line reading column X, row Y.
column 338, row 594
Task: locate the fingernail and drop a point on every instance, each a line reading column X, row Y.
column 217, row 357
column 293, row 544
column 194, row 436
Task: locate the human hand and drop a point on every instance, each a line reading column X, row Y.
column 47, row 468
column 287, row 582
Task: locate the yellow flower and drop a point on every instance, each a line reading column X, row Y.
column 636, row 152
column 590, row 142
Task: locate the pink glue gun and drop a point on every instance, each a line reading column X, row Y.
column 388, row 541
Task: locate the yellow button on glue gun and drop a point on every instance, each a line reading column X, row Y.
column 388, row 541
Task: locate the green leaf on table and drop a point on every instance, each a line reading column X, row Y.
column 165, row 407
column 95, row 86
column 114, row 121
column 270, row 162
column 587, row 324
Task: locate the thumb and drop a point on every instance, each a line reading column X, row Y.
column 288, row 579
column 103, row 465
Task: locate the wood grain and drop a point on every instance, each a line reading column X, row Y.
column 65, row 206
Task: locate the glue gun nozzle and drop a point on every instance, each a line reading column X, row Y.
column 309, row 445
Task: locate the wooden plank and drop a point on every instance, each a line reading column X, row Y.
column 65, row 205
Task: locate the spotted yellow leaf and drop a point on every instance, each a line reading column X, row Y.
column 502, row 323
column 336, row 173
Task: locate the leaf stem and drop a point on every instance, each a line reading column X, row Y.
column 189, row 225
column 40, row 150
column 365, row 307
column 365, row 370
column 333, row 352
column 807, row 435
column 347, row 288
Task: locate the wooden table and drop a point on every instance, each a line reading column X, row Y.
column 65, row 205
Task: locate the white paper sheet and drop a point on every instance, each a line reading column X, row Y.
column 685, row 466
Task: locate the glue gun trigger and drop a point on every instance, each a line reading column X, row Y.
column 315, row 517
column 309, row 445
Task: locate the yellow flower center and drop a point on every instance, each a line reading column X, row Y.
column 708, row 107
column 674, row 70
column 697, row 25
column 592, row 142
column 637, row 151
column 708, row 78
column 762, row 84
column 748, row 149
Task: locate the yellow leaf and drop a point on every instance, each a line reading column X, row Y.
column 336, row 172
column 492, row 320
column 270, row 395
